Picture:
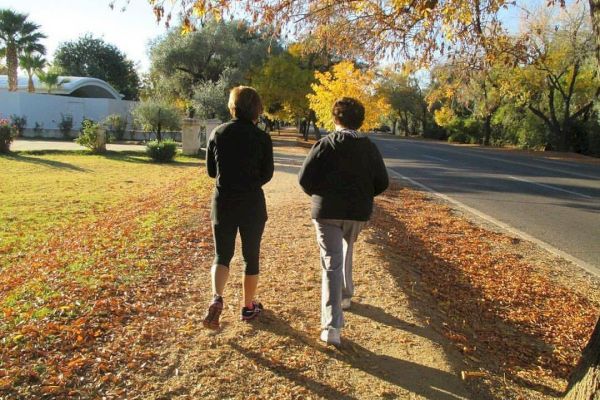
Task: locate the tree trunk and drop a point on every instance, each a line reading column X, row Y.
column 12, row 62
column 317, row 130
column 487, row 130
column 565, row 138
column 424, row 121
column 313, row 118
column 584, row 382
column 304, row 129
column 394, row 126
column 30, row 87
column 595, row 12
column 158, row 128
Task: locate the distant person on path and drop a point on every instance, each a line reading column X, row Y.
column 343, row 172
column 240, row 156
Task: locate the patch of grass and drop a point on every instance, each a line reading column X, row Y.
column 42, row 190
column 44, row 194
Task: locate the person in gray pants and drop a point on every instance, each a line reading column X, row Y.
column 343, row 172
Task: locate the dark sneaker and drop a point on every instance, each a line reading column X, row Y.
column 251, row 313
column 211, row 321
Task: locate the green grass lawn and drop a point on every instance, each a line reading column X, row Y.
column 75, row 227
column 40, row 191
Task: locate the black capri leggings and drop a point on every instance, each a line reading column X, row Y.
column 251, row 235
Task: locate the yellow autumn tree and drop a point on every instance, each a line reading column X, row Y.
column 344, row 80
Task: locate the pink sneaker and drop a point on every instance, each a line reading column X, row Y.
column 251, row 313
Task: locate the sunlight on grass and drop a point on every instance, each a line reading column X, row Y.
column 38, row 192
column 45, row 196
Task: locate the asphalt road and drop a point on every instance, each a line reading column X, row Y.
column 557, row 202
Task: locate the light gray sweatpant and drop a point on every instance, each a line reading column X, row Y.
column 336, row 239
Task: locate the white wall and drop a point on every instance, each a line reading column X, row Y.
column 46, row 109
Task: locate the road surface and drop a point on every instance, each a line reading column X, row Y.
column 557, row 202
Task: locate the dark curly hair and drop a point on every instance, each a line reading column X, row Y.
column 348, row 112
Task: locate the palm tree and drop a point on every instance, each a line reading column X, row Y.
column 32, row 64
column 17, row 36
column 51, row 79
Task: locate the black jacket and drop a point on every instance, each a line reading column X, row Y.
column 240, row 156
column 343, row 172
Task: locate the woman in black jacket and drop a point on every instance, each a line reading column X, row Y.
column 342, row 173
column 239, row 156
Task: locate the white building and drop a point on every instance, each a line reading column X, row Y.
column 79, row 97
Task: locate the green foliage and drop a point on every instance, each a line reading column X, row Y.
column 116, row 125
column 92, row 136
column 464, row 130
column 65, row 125
column 157, row 116
column 406, row 98
column 38, row 128
column 17, row 36
column 93, row 57
column 283, row 85
column 520, row 127
column 19, row 123
column 210, row 98
column 163, row 151
column 51, row 78
column 7, row 134
column 32, row 64
column 181, row 63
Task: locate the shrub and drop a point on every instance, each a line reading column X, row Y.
column 19, row 123
column 163, row 151
column 116, row 125
column 65, row 125
column 90, row 136
column 156, row 116
column 464, row 130
column 7, row 134
column 38, row 128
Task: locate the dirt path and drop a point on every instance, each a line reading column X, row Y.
column 435, row 295
column 388, row 353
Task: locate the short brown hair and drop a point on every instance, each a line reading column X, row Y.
column 244, row 103
column 348, row 112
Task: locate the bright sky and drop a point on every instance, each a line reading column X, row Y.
column 66, row 20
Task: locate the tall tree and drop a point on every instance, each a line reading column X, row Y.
column 345, row 79
column 407, row 101
column 32, row 64
column 17, row 36
column 283, row 85
column 414, row 28
column 559, row 84
column 93, row 57
column 51, row 78
column 180, row 63
column 475, row 87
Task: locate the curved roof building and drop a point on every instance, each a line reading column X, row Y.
column 75, row 86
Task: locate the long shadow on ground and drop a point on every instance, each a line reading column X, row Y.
column 42, row 161
column 457, row 307
column 425, row 381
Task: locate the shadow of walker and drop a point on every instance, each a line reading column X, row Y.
column 419, row 379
